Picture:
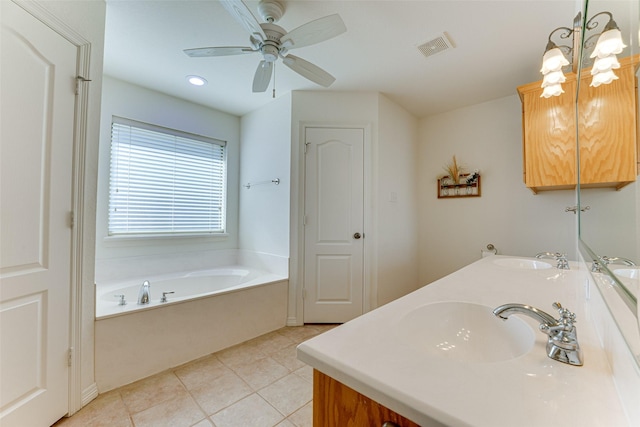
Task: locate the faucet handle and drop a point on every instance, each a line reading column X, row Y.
column 122, row 300
column 567, row 318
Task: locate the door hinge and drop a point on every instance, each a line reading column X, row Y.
column 80, row 79
column 304, row 293
column 72, row 220
column 304, row 220
column 306, row 147
column 70, row 357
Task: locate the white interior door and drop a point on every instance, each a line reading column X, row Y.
column 37, row 82
column 334, row 222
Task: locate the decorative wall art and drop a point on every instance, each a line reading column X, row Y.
column 458, row 183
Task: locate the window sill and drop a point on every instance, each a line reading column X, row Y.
column 121, row 237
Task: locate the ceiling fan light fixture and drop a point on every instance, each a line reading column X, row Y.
column 196, row 80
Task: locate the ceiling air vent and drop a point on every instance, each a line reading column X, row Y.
column 439, row 44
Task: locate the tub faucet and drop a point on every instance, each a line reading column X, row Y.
column 561, row 259
column 562, row 344
column 144, row 295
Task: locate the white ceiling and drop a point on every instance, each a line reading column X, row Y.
column 499, row 45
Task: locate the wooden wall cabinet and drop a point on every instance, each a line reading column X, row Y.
column 608, row 128
column 335, row 404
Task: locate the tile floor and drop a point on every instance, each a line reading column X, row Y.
column 259, row 383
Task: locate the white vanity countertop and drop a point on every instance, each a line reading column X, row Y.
column 530, row 390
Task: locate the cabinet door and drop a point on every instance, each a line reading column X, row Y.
column 607, row 131
column 549, row 143
column 335, row 404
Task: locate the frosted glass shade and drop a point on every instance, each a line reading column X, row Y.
column 603, row 78
column 553, row 78
column 552, row 90
column 609, row 43
column 553, row 60
column 608, row 63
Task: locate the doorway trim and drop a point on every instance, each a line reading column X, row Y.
column 295, row 316
column 77, row 397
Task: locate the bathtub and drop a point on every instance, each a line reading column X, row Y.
column 210, row 310
column 179, row 288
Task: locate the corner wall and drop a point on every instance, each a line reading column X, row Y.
column 265, row 154
column 487, row 137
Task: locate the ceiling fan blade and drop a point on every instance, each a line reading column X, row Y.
column 263, row 76
column 217, row 51
column 243, row 15
column 308, row 70
column 314, row 32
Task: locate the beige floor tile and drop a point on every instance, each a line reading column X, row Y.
column 303, row 417
column 180, row 411
column 218, row 390
column 204, row 423
column 107, row 410
column 288, row 358
column 200, row 372
column 151, row 391
column 306, row 373
column 221, row 392
column 288, row 394
column 252, row 411
column 271, row 342
column 300, row 334
column 240, row 355
column 261, row 373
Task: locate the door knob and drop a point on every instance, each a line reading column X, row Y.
column 357, row 236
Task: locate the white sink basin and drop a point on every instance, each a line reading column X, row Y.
column 630, row 273
column 522, row 263
column 464, row 332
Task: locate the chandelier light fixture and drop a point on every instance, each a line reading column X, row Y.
column 603, row 57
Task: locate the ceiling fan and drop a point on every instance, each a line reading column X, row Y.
column 272, row 41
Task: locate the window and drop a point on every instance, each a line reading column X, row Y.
column 165, row 181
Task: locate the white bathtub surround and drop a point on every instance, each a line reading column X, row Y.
column 369, row 355
column 133, row 342
column 178, row 288
column 113, row 270
column 136, row 345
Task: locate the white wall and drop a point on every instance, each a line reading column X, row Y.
column 265, row 154
column 397, row 208
column 137, row 103
column 488, row 137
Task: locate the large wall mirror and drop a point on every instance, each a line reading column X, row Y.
column 609, row 219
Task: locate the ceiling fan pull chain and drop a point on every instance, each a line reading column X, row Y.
column 274, row 81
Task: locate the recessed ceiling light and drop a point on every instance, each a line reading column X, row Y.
column 197, row 80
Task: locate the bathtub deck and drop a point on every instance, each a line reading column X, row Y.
column 261, row 379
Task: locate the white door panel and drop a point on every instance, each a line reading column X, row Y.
column 334, row 198
column 37, row 82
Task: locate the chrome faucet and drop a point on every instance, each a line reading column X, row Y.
column 144, row 295
column 606, row 260
column 561, row 259
column 617, row 260
column 562, row 344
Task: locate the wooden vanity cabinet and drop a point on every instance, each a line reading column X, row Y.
column 608, row 132
column 335, row 404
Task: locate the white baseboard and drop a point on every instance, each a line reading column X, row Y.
column 89, row 393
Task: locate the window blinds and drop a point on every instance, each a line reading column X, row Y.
column 165, row 181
